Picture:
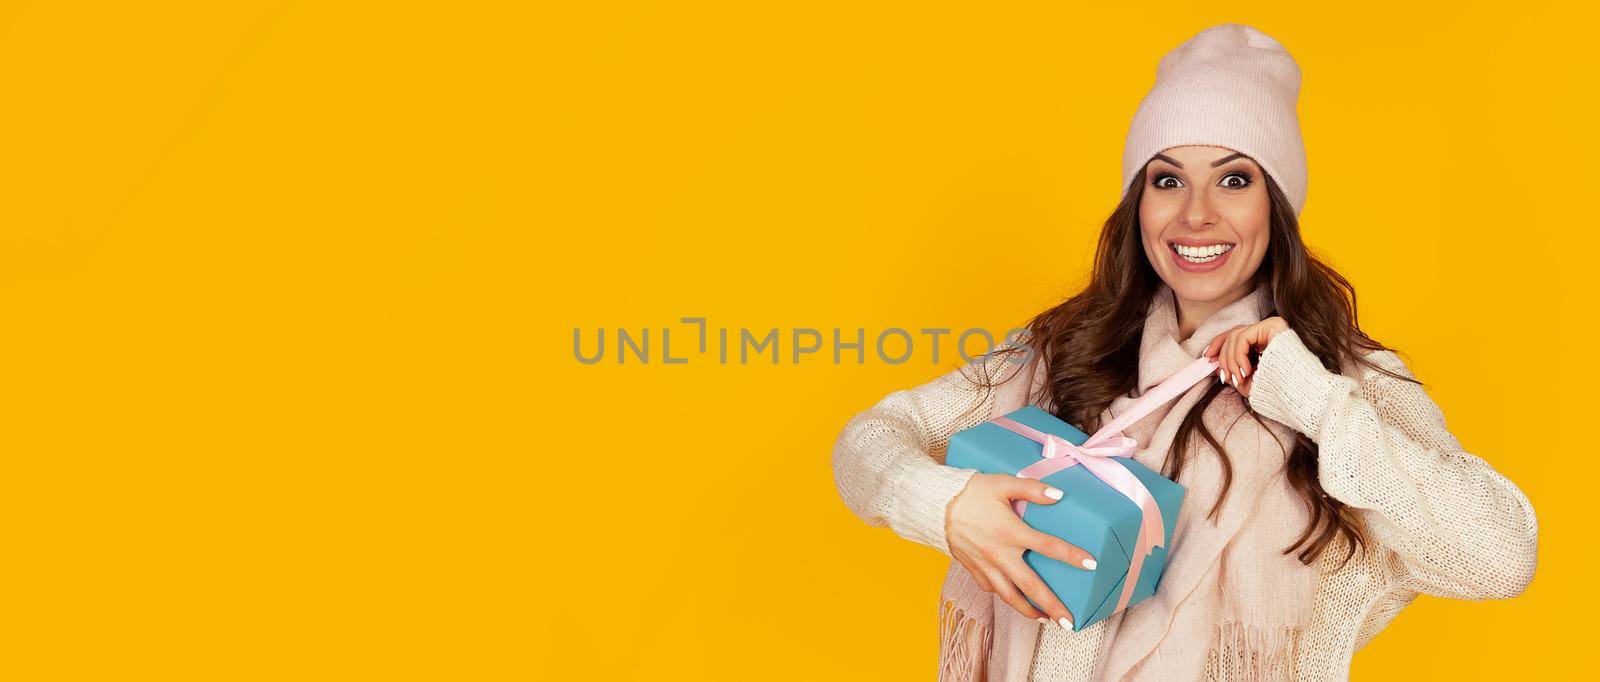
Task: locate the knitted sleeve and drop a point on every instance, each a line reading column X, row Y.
column 1457, row 527
column 889, row 461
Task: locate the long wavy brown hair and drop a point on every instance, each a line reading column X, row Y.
column 1090, row 346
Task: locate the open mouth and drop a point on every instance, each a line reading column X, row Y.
column 1200, row 254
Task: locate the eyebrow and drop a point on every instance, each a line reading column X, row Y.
column 1214, row 164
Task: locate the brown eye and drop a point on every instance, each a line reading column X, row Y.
column 1243, row 181
column 1161, row 181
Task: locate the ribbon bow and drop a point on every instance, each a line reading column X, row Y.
column 1095, row 453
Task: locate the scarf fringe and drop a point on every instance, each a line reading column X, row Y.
column 1246, row 653
column 963, row 645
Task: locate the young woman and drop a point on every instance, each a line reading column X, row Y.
column 1323, row 490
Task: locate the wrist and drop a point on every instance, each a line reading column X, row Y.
column 1291, row 386
column 924, row 495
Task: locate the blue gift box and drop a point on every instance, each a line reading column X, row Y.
column 1093, row 515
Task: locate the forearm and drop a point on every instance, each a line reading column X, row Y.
column 1460, row 528
column 888, row 462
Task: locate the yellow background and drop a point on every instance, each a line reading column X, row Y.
column 290, row 287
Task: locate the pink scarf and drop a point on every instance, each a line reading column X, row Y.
column 1229, row 601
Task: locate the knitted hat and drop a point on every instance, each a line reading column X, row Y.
column 1231, row 86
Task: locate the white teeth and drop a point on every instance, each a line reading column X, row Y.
column 1202, row 254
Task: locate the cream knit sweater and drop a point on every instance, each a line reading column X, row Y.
column 1443, row 521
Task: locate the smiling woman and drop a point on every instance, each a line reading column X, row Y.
column 1324, row 492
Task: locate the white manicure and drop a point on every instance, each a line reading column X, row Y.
column 1053, row 493
column 1089, row 564
column 1066, row 623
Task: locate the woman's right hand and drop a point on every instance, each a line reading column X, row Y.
column 986, row 535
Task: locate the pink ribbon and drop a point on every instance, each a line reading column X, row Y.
column 1095, row 454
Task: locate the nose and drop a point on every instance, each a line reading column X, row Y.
column 1198, row 211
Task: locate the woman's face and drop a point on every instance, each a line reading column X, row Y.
column 1204, row 221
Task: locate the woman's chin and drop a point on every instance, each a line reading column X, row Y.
column 1199, row 287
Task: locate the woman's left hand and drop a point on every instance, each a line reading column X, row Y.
column 1231, row 349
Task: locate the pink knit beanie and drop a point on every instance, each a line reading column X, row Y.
column 1231, row 86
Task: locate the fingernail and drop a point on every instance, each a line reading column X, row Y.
column 1222, row 376
column 1244, row 371
column 1235, row 379
column 1053, row 493
column 1065, row 623
column 1089, row 564
column 1042, row 619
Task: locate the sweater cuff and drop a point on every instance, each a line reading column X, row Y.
column 921, row 496
column 1291, row 386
